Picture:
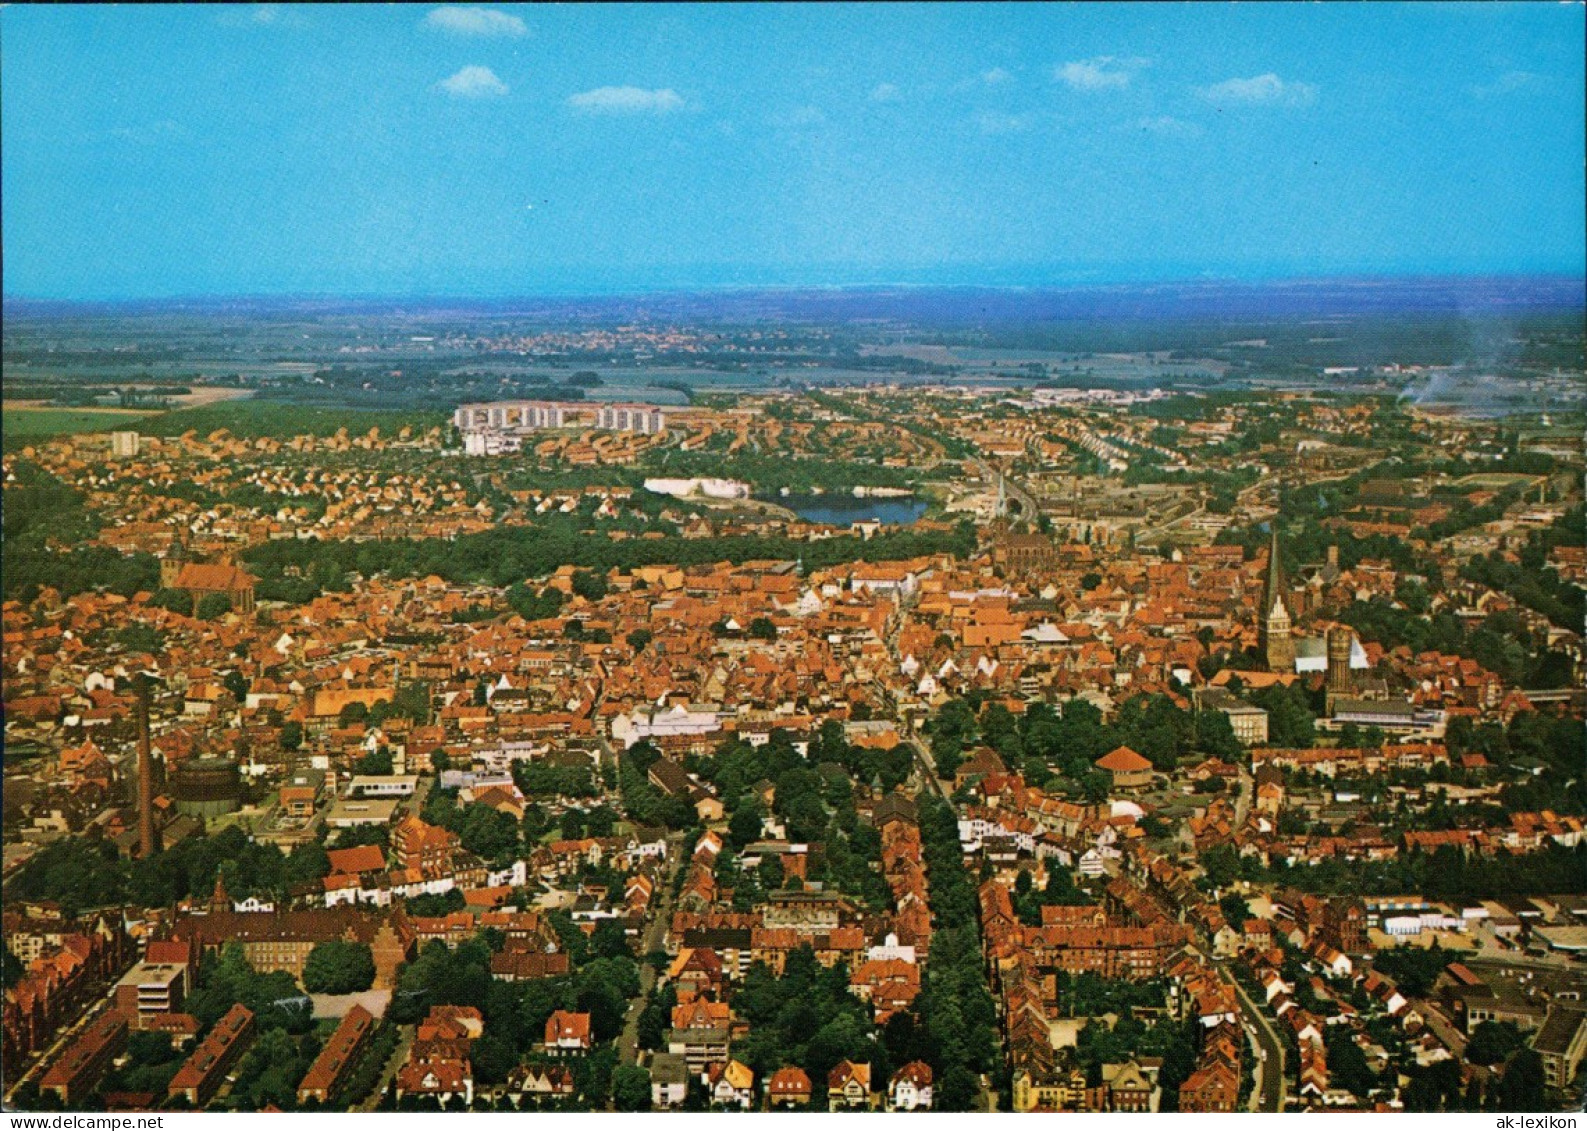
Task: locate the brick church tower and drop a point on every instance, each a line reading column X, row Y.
column 1275, row 638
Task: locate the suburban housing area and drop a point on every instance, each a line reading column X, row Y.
column 405, row 770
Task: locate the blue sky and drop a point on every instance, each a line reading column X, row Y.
column 155, row 151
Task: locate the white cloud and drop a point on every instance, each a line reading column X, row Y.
column 1263, row 90
column 260, row 15
column 1105, row 72
column 993, row 124
column 473, row 82
column 1507, row 83
column 996, row 76
column 1166, row 126
column 480, row 22
column 886, row 92
column 626, row 100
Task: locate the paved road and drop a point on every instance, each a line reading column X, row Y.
column 62, row 1039
column 1553, row 962
column 1146, row 534
column 1270, row 1072
column 399, row 1053
column 628, row 1043
column 1242, row 799
column 1443, row 1028
column 651, row 940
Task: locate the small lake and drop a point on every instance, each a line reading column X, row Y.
column 840, row 510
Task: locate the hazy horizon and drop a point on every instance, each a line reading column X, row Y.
column 1169, row 299
column 187, row 152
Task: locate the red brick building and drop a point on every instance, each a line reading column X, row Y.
column 86, row 1060
column 201, row 1076
column 336, row 1060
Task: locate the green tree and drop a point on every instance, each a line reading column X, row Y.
column 534, row 605
column 492, row 1057
column 270, row 1072
column 213, row 606
column 376, row 763
column 1493, row 1041
column 1347, row 1064
column 237, row 684
column 338, row 967
column 13, row 968
column 1522, row 1087
column 488, row 833
column 589, row 585
column 1290, row 722
column 656, row 1017
column 631, row 1088
column 308, row 862
column 798, row 802
column 745, row 826
column 1235, row 909
column 762, row 628
column 175, row 600
column 1215, row 736
column 412, row 701
column 602, row 988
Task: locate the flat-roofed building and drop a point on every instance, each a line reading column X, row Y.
column 382, row 785
column 1248, row 722
column 350, row 812
column 1386, row 714
column 513, row 416
column 150, row 987
column 499, row 427
column 618, row 417
column 301, row 794
column 1562, row 1043
column 698, row 1047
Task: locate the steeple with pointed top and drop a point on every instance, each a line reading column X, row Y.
column 219, row 900
column 1273, row 624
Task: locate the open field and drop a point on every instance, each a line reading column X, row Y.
column 254, row 418
column 207, row 394
column 1495, row 480
column 246, row 418
column 37, row 420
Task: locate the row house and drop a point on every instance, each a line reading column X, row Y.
column 203, row 1073
column 59, row 981
column 1214, row 1085
column 78, row 1070
column 336, row 1061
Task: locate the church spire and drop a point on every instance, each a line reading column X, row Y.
column 219, row 900
column 1273, row 588
column 1273, row 619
